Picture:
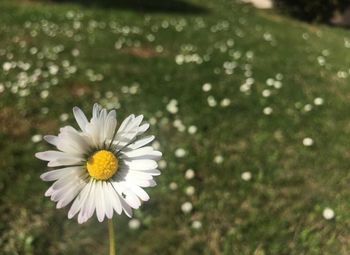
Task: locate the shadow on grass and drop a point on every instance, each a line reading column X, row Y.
column 166, row 6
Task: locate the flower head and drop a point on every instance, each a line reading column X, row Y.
column 100, row 168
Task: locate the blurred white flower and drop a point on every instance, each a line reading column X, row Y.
column 196, row 224
column 307, row 107
column 328, row 213
column 180, row 152
column 190, row 190
column 162, row 164
column 219, row 159
column 318, row 101
column 64, row 116
column 134, row 224
column 246, row 176
column 44, row 94
column 189, row 174
column 192, row 129
column 172, row 106
column 307, row 141
column 6, row 66
column 211, row 101
column 270, row 81
column 186, row 207
column 267, row 110
column 75, row 52
column 225, row 102
column 277, row 84
column 37, row 138
column 206, row 87
column 173, row 186
column 266, row 93
column 156, row 145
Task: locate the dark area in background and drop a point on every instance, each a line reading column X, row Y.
column 313, row 10
column 168, row 6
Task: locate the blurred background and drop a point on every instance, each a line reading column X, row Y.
column 249, row 101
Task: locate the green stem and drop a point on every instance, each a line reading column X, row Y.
column 111, row 237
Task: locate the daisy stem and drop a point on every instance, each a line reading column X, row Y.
column 111, row 237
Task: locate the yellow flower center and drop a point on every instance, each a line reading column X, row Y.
column 102, row 165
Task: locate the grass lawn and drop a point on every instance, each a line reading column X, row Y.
column 237, row 89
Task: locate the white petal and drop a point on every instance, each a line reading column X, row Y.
column 80, row 118
column 126, row 122
column 132, row 199
column 140, row 143
column 142, row 164
column 142, row 129
column 48, row 192
column 114, row 198
column 140, row 192
column 90, row 202
column 126, row 208
column 79, row 200
column 50, row 155
column 70, row 195
column 65, row 162
column 99, row 200
column 108, row 205
column 139, row 175
column 58, row 173
column 51, row 139
column 142, row 153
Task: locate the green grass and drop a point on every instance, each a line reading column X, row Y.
column 279, row 211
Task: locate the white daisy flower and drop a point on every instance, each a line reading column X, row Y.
column 100, row 168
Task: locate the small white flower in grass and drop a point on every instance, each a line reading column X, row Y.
column 307, row 107
column 156, row 145
column 172, row 106
column 173, row 186
column 318, row 101
column 328, row 213
column 219, row 159
column 44, row 94
column 6, row 66
column 206, row 87
column 266, row 93
column 268, row 110
column 225, row 102
column 189, row 174
column 100, row 168
column 270, row 81
column 37, row 138
column 279, row 76
column 192, row 129
column 246, row 176
column 75, row 52
column 307, row 141
column 180, row 153
column 152, row 121
column 211, row 101
column 196, row 224
column 179, row 125
column 186, row 207
column 190, row 190
column 64, row 116
column 162, row 164
column 277, row 84
column 134, row 224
